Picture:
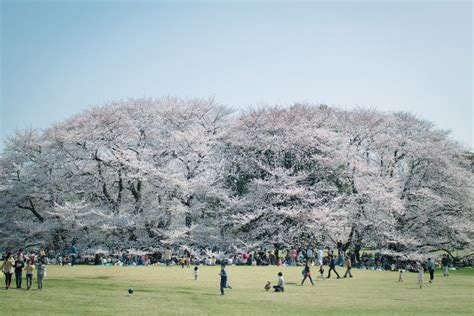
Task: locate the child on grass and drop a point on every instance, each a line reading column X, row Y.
column 196, row 272
column 419, row 267
column 280, row 287
column 30, row 269
column 223, row 283
column 321, row 272
column 400, row 276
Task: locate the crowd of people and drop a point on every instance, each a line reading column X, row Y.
column 35, row 261
column 28, row 263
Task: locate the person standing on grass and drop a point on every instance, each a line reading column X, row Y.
column 19, row 265
column 8, row 267
column 445, row 264
column 339, row 247
column 340, row 258
column 224, row 280
column 401, row 269
column 196, row 272
column 30, row 269
column 72, row 254
column 420, row 270
column 41, row 271
column 431, row 268
column 282, row 255
column 167, row 256
column 309, row 254
column 187, row 256
column 332, row 267
column 280, row 287
column 352, row 255
column 320, row 256
column 348, row 267
column 307, row 274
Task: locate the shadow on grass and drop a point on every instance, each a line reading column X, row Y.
column 101, row 277
column 211, row 294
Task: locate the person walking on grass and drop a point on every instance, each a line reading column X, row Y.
column 41, row 271
column 19, row 265
column 321, row 272
column 224, row 280
column 30, row 269
column 445, row 264
column 431, row 268
column 420, row 270
column 332, row 267
column 280, row 287
column 8, row 266
column 400, row 275
column 348, row 267
column 307, row 274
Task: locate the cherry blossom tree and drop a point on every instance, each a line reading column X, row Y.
column 144, row 173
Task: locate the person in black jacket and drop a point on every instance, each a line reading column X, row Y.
column 19, row 265
column 445, row 264
column 332, row 267
column 307, row 274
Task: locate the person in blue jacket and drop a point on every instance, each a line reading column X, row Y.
column 224, row 284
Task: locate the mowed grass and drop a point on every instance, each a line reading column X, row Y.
column 173, row 291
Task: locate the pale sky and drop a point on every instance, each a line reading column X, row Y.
column 58, row 58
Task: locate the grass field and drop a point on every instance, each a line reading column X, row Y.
column 173, row 291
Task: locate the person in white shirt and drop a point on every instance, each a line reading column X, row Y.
column 280, row 287
column 196, row 273
column 320, row 256
column 421, row 271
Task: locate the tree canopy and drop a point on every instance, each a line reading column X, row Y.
column 145, row 173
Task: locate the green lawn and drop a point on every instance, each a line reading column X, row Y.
column 165, row 291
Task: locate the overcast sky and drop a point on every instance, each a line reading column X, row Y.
column 61, row 57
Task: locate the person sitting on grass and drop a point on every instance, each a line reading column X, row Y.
column 280, row 287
